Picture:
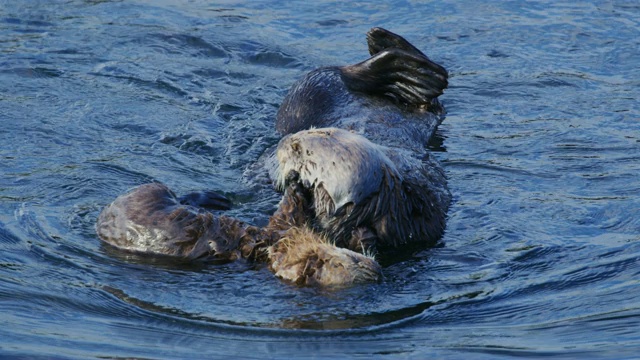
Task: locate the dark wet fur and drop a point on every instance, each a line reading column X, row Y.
column 206, row 199
column 397, row 79
column 177, row 230
column 397, row 70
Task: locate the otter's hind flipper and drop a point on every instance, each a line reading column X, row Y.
column 397, row 70
column 380, row 39
column 206, row 199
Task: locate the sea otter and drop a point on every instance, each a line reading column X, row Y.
column 374, row 184
column 365, row 179
column 150, row 219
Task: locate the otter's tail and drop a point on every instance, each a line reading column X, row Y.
column 397, row 70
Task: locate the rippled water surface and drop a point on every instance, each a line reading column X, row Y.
column 541, row 145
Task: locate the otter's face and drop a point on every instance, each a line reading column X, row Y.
column 346, row 166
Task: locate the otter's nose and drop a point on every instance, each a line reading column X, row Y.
column 292, row 177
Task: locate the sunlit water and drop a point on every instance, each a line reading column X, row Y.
column 541, row 146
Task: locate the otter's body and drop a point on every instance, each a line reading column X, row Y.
column 378, row 187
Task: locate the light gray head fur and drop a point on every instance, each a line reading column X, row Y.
column 346, row 165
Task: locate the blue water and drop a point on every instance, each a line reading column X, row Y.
column 541, row 145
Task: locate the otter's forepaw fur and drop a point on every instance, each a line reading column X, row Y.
column 304, row 257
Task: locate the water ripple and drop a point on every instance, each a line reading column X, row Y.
column 540, row 146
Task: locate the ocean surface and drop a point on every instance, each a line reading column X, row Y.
column 541, row 146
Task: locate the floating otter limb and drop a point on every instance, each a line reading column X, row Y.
column 380, row 40
column 405, row 77
column 149, row 219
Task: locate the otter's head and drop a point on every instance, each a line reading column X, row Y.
column 306, row 258
column 338, row 165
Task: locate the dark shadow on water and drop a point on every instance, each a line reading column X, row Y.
column 405, row 253
column 314, row 321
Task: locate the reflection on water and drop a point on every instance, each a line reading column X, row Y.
column 541, row 146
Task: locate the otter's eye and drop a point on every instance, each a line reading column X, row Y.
column 296, row 147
